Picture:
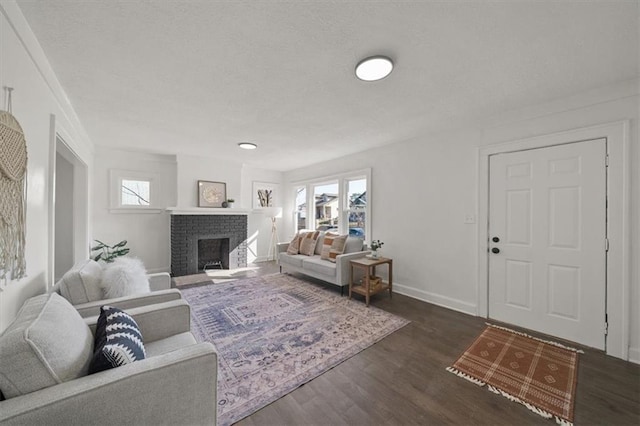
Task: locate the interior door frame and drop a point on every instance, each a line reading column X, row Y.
column 58, row 144
column 618, row 222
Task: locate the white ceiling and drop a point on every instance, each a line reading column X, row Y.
column 198, row 77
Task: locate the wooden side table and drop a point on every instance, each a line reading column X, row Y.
column 370, row 284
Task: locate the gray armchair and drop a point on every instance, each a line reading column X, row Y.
column 81, row 287
column 90, row 309
column 175, row 384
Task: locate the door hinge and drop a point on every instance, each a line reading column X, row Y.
column 606, row 244
column 606, row 160
column 606, row 324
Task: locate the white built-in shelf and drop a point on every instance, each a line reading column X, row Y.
column 207, row 211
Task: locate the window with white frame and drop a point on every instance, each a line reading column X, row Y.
column 338, row 203
column 326, row 200
column 356, row 206
column 300, row 219
column 132, row 191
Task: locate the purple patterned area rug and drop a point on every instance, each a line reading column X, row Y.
column 276, row 332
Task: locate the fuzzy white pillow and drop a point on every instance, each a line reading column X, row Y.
column 125, row 276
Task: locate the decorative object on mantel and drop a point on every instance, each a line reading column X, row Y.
column 230, row 202
column 108, row 253
column 375, row 246
column 273, row 213
column 211, row 194
column 264, row 195
column 13, row 195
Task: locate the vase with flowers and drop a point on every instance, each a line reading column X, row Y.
column 375, row 246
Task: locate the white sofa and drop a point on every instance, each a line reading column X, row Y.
column 334, row 273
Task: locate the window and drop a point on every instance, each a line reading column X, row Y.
column 326, row 200
column 337, row 203
column 301, row 208
column 356, row 211
column 134, row 191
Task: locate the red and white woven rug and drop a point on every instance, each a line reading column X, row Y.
column 539, row 374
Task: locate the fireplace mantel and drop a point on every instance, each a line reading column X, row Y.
column 206, row 211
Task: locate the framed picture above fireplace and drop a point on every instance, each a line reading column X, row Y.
column 211, row 194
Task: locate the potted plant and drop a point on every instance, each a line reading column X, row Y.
column 108, row 253
column 375, row 246
column 230, row 202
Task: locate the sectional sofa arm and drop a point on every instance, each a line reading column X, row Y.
column 90, row 309
column 178, row 387
column 158, row 321
column 159, row 281
column 282, row 247
column 343, row 269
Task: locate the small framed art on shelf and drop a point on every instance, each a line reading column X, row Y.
column 211, row 194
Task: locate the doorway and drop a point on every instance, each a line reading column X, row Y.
column 63, row 229
column 68, row 207
column 547, row 247
column 618, row 269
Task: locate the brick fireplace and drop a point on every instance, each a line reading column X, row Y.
column 216, row 240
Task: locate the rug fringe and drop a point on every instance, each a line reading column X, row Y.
column 549, row 342
column 537, row 410
column 465, row 376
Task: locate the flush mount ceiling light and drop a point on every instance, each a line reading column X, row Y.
column 247, row 145
column 374, row 68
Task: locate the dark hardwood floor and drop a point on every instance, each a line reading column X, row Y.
column 402, row 380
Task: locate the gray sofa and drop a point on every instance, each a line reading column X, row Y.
column 334, row 273
column 45, row 354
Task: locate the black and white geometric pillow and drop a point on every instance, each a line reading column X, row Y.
column 118, row 340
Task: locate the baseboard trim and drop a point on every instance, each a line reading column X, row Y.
column 259, row 259
column 436, row 299
column 157, row 270
column 634, row 355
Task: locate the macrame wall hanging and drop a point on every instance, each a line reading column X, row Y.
column 13, row 195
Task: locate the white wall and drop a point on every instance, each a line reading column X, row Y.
column 259, row 226
column 147, row 233
column 191, row 169
column 239, row 179
column 423, row 188
column 37, row 94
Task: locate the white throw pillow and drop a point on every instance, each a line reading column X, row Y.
column 81, row 284
column 126, row 276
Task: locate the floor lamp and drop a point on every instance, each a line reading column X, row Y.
column 273, row 213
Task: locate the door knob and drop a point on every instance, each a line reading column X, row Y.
column 495, row 239
column 495, row 250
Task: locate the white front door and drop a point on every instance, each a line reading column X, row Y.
column 547, row 240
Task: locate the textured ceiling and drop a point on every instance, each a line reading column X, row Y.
column 198, row 77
